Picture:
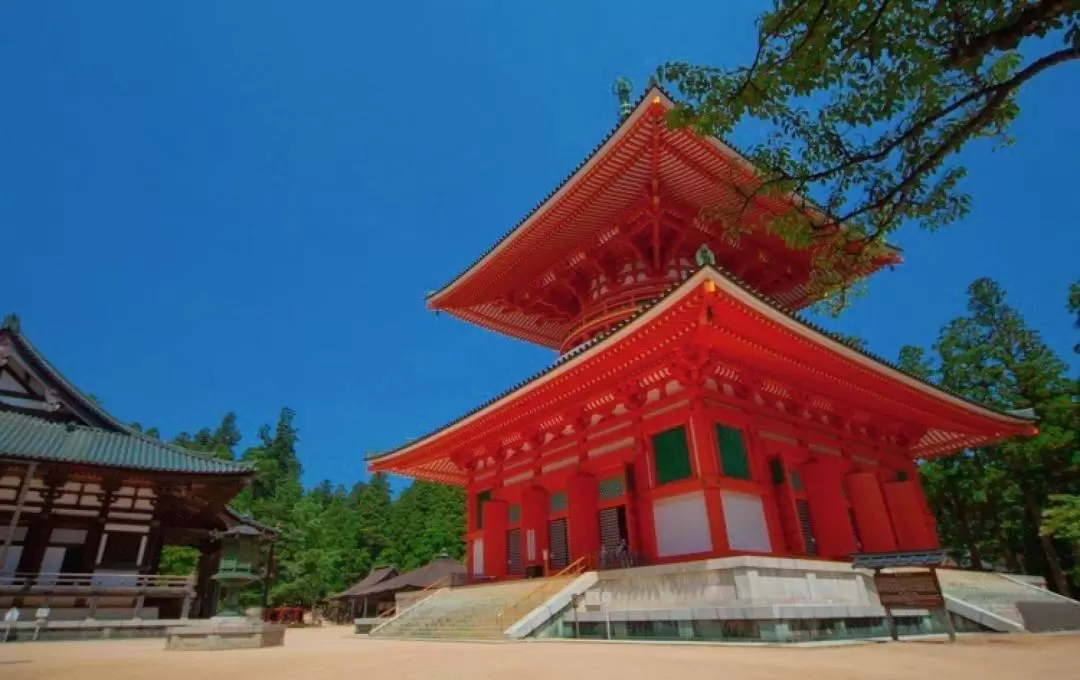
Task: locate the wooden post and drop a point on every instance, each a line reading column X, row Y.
column 20, row 500
column 185, row 611
column 139, row 602
column 890, row 622
column 93, row 607
column 949, row 628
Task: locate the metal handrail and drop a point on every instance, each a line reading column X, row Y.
column 574, row 568
column 393, row 612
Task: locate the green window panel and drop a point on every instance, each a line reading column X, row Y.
column 557, row 501
column 671, row 456
column 733, row 459
column 796, row 481
column 776, row 466
column 612, row 487
column 480, row 498
column 514, row 513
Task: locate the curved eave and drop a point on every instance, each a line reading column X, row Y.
column 438, row 300
column 440, row 469
column 84, row 407
column 239, row 474
column 29, row 438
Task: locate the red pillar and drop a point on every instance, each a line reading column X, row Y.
column 828, row 508
column 704, row 441
column 534, row 522
column 583, row 497
column 793, row 543
column 868, row 503
column 496, row 520
column 640, row 498
column 759, row 463
column 913, row 528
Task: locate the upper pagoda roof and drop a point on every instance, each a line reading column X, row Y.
column 767, row 334
column 697, row 172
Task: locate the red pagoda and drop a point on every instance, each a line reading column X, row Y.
column 691, row 414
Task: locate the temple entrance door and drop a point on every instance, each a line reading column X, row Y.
column 513, row 552
column 614, row 538
column 558, row 537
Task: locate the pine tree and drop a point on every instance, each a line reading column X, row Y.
column 372, row 506
column 992, row 499
column 427, row 520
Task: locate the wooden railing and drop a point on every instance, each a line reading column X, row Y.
column 98, row 582
column 541, row 593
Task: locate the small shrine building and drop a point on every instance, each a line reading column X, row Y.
column 691, row 414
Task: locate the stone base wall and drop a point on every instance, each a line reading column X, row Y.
column 734, row 581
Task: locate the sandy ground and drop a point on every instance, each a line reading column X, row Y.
column 336, row 653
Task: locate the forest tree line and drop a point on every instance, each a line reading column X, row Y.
column 1012, row 506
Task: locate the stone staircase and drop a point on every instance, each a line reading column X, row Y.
column 993, row 593
column 479, row 612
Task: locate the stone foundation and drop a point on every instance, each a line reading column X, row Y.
column 225, row 634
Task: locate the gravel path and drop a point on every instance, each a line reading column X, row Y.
column 336, row 653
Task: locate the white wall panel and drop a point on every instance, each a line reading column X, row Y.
column 682, row 525
column 478, row 557
column 744, row 517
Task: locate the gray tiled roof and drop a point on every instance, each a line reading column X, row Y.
column 31, row 438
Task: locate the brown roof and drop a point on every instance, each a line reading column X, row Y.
column 422, row 577
column 376, row 576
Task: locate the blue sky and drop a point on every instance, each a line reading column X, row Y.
column 210, row 206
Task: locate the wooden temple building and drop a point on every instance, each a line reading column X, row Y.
column 379, row 592
column 87, row 504
column 691, row 413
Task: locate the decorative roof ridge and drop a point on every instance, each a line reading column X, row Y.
column 623, row 120
column 70, row 427
column 247, row 519
column 12, row 328
column 644, row 308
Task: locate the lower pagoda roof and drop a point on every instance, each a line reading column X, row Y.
column 750, row 339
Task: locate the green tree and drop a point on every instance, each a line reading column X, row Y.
column 221, row 441
column 316, row 547
column 990, row 501
column 276, row 486
column 1062, row 521
column 426, row 520
column 866, row 102
column 373, row 508
column 913, row 360
column 178, row 560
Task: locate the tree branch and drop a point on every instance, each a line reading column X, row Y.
column 1026, row 22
